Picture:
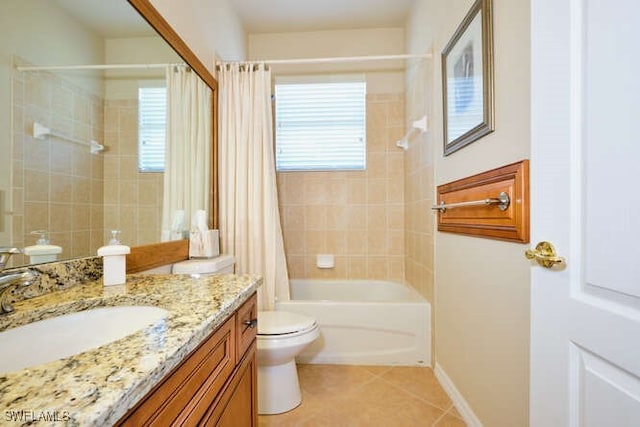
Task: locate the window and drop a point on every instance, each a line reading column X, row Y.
column 152, row 118
column 320, row 126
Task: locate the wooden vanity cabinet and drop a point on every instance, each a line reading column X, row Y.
column 214, row 386
column 233, row 410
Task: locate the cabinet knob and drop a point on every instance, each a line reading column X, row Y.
column 252, row 323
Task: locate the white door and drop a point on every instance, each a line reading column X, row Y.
column 585, row 182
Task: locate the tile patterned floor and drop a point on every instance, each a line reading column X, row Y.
column 368, row 396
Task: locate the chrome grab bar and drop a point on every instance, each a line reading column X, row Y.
column 502, row 201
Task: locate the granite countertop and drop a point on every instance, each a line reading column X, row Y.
column 99, row 386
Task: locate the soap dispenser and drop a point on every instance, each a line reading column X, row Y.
column 42, row 251
column 114, row 260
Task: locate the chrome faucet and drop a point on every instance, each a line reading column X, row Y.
column 5, row 254
column 10, row 279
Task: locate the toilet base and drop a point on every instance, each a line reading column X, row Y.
column 278, row 388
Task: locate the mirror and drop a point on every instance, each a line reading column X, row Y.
column 55, row 183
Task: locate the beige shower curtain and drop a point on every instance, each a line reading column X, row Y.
column 188, row 147
column 249, row 218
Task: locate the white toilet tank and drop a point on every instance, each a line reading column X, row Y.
column 223, row 264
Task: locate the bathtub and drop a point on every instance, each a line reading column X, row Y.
column 363, row 322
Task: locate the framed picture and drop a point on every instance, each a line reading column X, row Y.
column 467, row 79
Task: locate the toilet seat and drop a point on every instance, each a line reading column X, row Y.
column 279, row 324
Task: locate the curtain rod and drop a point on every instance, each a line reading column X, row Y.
column 342, row 59
column 95, row 67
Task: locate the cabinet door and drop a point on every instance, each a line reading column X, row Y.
column 189, row 390
column 246, row 325
column 237, row 407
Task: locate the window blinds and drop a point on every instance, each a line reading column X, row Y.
column 152, row 118
column 320, row 126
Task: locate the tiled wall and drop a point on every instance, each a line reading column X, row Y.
column 60, row 187
column 56, row 185
column 357, row 216
column 420, row 187
column 419, row 216
column 132, row 200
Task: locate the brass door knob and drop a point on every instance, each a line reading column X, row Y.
column 544, row 254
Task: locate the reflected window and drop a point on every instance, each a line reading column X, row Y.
column 152, row 120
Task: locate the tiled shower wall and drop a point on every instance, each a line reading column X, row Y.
column 419, row 191
column 132, row 199
column 56, row 185
column 356, row 215
column 60, row 187
column 419, row 186
column 419, row 218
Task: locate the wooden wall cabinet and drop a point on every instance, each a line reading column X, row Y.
column 216, row 384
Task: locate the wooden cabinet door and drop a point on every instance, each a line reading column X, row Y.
column 237, row 407
column 188, row 391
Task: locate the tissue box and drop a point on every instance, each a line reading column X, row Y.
column 204, row 245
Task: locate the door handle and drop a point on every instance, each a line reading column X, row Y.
column 545, row 255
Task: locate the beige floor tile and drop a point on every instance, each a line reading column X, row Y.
column 362, row 418
column 391, row 401
column 450, row 421
column 367, row 396
column 421, row 383
column 377, row 370
column 331, row 380
column 313, row 404
column 454, row 411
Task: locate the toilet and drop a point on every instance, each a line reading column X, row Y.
column 222, row 264
column 281, row 336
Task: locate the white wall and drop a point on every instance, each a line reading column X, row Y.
column 123, row 84
column 43, row 34
column 382, row 76
column 210, row 28
column 481, row 285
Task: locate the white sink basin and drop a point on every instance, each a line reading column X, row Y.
column 63, row 336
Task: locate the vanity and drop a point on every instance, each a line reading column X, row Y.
column 216, row 383
column 195, row 366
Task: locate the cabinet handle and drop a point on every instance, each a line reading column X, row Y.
column 252, row 323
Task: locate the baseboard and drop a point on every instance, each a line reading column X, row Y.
column 458, row 400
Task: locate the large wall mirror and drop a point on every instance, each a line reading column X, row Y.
column 55, row 183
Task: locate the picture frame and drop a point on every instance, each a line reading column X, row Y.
column 467, row 79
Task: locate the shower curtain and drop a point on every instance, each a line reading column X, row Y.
column 188, row 148
column 249, row 217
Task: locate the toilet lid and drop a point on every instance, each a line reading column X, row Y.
column 204, row 265
column 282, row 322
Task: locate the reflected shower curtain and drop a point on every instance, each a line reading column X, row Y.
column 188, row 147
column 249, row 217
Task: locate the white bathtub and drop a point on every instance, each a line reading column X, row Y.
column 363, row 322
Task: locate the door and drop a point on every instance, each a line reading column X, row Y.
column 585, row 169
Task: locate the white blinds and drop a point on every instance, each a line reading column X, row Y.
column 320, row 126
column 152, row 118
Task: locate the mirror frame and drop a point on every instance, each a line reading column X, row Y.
column 155, row 255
